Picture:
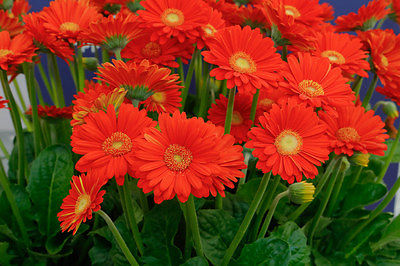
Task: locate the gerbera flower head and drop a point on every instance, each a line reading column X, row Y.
column 96, row 97
column 267, row 99
column 396, row 10
column 290, row 141
column 15, row 51
column 241, row 122
column 244, row 58
column 113, row 32
column 20, row 8
column 106, row 141
column 254, row 17
column 391, row 92
column 353, row 129
column 343, row 51
column 313, row 80
column 66, row 19
column 83, row 199
column 108, row 7
column 155, row 87
column 52, row 112
column 10, row 23
column 3, row 103
column 214, row 23
column 229, row 11
column 173, row 18
column 365, row 18
column 184, row 157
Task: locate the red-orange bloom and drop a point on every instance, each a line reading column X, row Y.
column 186, row 156
column 66, row 19
column 396, row 10
column 230, row 11
column 132, row 76
column 20, row 8
column 83, row 199
column 211, row 27
column 353, row 129
column 312, row 80
column 10, row 24
column 366, row 17
column 52, row 112
column 290, row 142
column 244, row 58
column 267, row 99
column 343, row 51
column 241, row 122
column 3, row 103
column 254, row 17
column 173, row 18
column 107, row 141
column 15, row 51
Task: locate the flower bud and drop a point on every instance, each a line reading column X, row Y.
column 390, row 109
column 361, row 159
column 390, row 128
column 90, row 63
column 345, row 164
column 300, row 193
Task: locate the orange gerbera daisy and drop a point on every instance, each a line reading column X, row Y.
column 52, row 112
column 10, row 24
column 211, row 27
column 254, row 17
column 268, row 98
column 290, row 142
column 155, row 87
column 184, row 157
column 353, row 129
column 113, row 32
column 313, row 80
column 173, row 18
column 229, row 11
column 3, row 103
column 107, row 141
column 43, row 40
column 396, row 10
column 241, row 122
column 15, row 51
column 20, row 8
column 96, row 97
column 366, row 17
column 83, row 199
column 244, row 58
column 343, row 51
column 66, row 19
column 156, row 53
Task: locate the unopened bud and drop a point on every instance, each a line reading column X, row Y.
column 300, row 193
column 345, row 164
column 90, row 63
column 390, row 109
column 361, row 159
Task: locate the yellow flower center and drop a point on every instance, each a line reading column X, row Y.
column 209, row 30
column 151, row 50
column 311, row 88
column 82, row 204
column 5, row 52
column 117, row 145
column 69, row 26
column 292, row 11
column 237, row 118
column 159, row 97
column 288, row 142
column 334, row 57
column 177, row 158
column 241, row 62
column 348, row 134
column 266, row 102
column 384, row 60
column 172, row 17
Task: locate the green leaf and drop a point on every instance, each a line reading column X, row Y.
column 362, row 195
column 196, row 261
column 247, row 191
column 236, row 208
column 391, row 233
column 159, row 230
column 217, row 230
column 55, row 244
column 29, row 152
column 5, row 258
column 48, row 184
column 99, row 254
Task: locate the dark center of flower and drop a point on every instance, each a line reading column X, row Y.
column 118, row 144
column 292, row 11
column 151, row 50
column 334, row 57
column 82, row 203
column 311, row 88
column 69, row 26
column 348, row 134
column 172, row 17
column 177, row 158
column 288, row 142
column 242, row 62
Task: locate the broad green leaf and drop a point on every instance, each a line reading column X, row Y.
column 99, row 254
column 217, row 230
column 235, row 207
column 5, row 258
column 29, row 152
column 391, row 233
column 247, row 191
column 159, row 230
column 49, row 182
column 196, row 261
column 362, row 195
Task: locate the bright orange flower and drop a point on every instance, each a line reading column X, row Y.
column 312, row 80
column 15, row 51
column 186, row 156
column 160, row 87
column 108, row 7
column 20, row 8
column 173, row 18
column 290, row 142
column 113, row 32
column 343, row 51
column 229, row 11
column 366, row 17
column 396, row 10
column 268, row 98
column 66, row 19
column 52, row 112
column 353, row 129
column 107, row 141
column 3, row 103
column 10, row 24
column 241, row 122
column 211, row 27
column 83, row 199
column 45, row 41
column 391, row 92
column 244, row 58
column 156, row 53
column 254, row 17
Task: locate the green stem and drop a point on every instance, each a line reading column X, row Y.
column 18, row 90
column 123, row 203
column 143, row 201
column 45, row 80
column 370, row 91
column 188, row 80
column 335, row 193
column 74, row 73
column 22, row 163
column 118, row 54
column 254, row 105
column 180, row 70
column 4, row 182
column 284, row 53
column 389, row 157
column 4, row 150
column 242, row 181
column 204, row 96
column 194, row 225
column 118, row 238
column 39, row 93
column 105, row 57
column 379, row 25
column 356, row 86
column 57, row 78
column 188, row 233
column 224, row 89
column 81, row 70
column 131, row 216
column 357, row 176
column 271, row 211
column 247, row 219
column 24, row 119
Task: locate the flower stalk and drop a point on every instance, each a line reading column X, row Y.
column 191, row 217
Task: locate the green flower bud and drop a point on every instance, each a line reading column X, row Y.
column 345, row 164
column 300, row 193
column 361, row 159
column 90, row 63
column 390, row 109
